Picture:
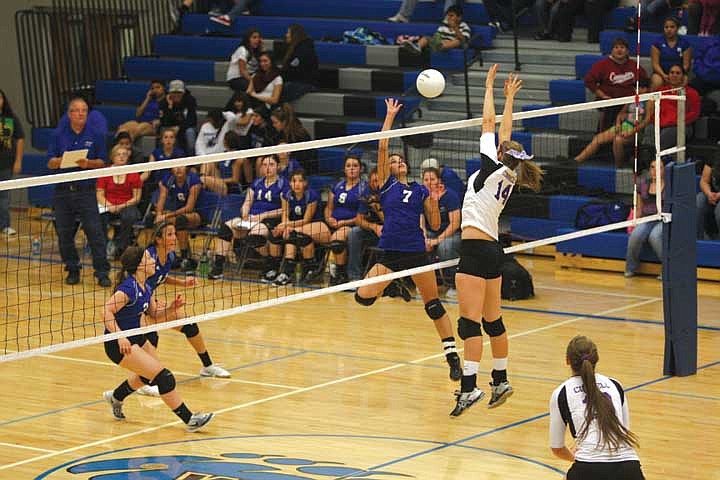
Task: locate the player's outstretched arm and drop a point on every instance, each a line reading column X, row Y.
column 488, row 117
column 512, row 85
column 393, row 107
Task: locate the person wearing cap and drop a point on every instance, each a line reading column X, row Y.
column 448, row 176
column 179, row 110
column 614, row 77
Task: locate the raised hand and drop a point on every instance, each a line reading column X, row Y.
column 490, row 79
column 393, row 106
column 512, row 85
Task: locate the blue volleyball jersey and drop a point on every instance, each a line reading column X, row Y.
column 347, row 202
column 267, row 198
column 178, row 194
column 162, row 267
column 139, row 297
column 449, row 202
column 226, row 168
column 670, row 56
column 292, row 166
column 298, row 207
column 159, row 156
column 402, row 205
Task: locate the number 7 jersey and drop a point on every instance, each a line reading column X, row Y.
column 488, row 190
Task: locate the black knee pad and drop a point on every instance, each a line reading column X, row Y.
column 153, row 338
column 146, row 381
column 337, row 247
column 364, row 301
column 256, row 241
column 225, row 233
column 165, row 381
column 494, row 329
column 434, row 309
column 181, row 222
column 190, row 330
column 300, row 240
column 276, row 240
column 468, row 329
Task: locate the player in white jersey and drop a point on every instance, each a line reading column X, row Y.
column 595, row 409
column 478, row 277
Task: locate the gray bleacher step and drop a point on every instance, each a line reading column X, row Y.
column 547, row 58
column 529, row 45
column 558, row 71
column 536, row 95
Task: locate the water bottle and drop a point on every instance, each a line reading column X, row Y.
column 36, row 245
column 298, row 273
column 204, row 266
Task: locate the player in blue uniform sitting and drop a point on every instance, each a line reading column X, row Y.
column 402, row 241
column 125, row 310
column 179, row 192
column 301, row 226
column 341, row 211
column 259, row 215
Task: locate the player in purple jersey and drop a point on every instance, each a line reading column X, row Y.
column 125, row 310
column 259, row 215
column 301, row 226
column 402, row 240
column 340, row 212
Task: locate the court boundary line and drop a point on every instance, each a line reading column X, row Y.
column 304, row 389
column 25, row 447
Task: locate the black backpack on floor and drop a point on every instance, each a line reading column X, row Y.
column 517, row 282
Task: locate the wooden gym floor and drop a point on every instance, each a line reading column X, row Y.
column 324, row 388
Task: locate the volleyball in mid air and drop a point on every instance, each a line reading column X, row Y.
column 430, row 83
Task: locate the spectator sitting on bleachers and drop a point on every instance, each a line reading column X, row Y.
column 452, row 33
column 340, row 214
column 668, row 108
column 259, row 215
column 300, row 64
column 287, row 165
column 368, row 226
column 546, row 12
column 671, row 49
column 652, row 11
column 179, row 192
column 147, row 115
column 445, row 241
column 501, row 12
column 708, row 200
column 703, row 16
column 650, row 232
column 262, row 133
column 595, row 12
column 241, row 7
column 224, row 177
column 179, row 110
column 117, row 198
column 209, row 139
column 613, row 77
column 407, row 7
column 244, row 61
column 448, row 177
column 622, row 133
column 266, row 85
column 167, row 150
column 290, row 130
column 124, row 140
column 238, row 117
column 300, row 215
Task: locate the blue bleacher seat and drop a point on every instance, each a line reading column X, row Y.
column 188, row 70
column 550, row 122
column 41, row 196
column 120, row 91
column 117, row 114
column 35, row 164
column 565, row 92
column 525, row 138
column 320, row 182
column 584, row 62
column 565, row 207
column 527, row 228
column 41, row 138
column 332, row 159
column 196, row 47
column 597, row 177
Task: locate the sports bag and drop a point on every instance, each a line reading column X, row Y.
column 517, row 282
column 597, row 213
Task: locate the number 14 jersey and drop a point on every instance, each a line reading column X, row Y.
column 488, row 190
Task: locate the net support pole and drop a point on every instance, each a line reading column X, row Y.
column 681, row 125
column 679, row 259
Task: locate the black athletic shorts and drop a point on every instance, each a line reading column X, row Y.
column 628, row 470
column 397, row 261
column 112, row 349
column 481, row 258
column 271, row 223
column 153, row 338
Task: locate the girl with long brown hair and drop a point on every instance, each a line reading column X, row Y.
column 595, row 409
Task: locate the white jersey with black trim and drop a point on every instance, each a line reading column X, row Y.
column 567, row 410
column 488, row 190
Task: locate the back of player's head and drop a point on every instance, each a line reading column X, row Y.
column 129, row 262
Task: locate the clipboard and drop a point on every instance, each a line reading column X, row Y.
column 70, row 158
column 244, row 224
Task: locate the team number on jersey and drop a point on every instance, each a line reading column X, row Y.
column 268, row 195
column 406, row 196
column 502, row 192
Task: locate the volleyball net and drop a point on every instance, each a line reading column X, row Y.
column 45, row 311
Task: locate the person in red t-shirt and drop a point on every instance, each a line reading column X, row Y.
column 613, row 77
column 668, row 108
column 117, row 198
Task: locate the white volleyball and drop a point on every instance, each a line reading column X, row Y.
column 430, row 83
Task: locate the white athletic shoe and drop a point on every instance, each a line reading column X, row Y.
column 214, row 371
column 148, row 390
column 451, row 293
column 466, row 400
column 9, row 231
column 397, row 18
column 115, row 406
column 198, row 420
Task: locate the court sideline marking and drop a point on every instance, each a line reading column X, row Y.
column 309, row 389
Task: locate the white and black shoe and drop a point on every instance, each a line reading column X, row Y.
column 465, row 400
column 499, row 394
column 115, row 405
column 198, row 420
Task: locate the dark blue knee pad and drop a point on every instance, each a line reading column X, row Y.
column 181, row 222
column 468, row 329
column 190, row 330
column 494, row 329
column 225, row 233
column 364, row 301
column 165, row 381
column 337, row 247
column 434, row 309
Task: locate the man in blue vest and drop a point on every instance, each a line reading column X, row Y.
column 76, row 201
